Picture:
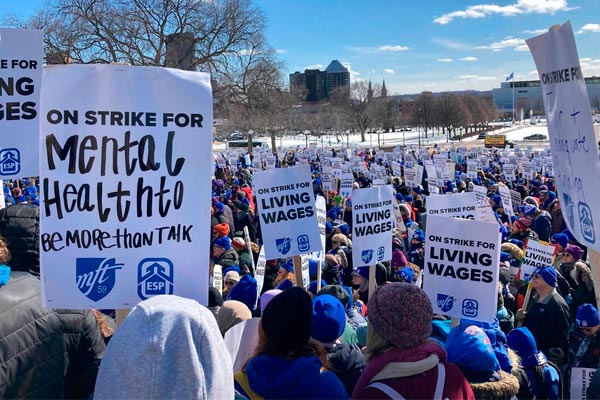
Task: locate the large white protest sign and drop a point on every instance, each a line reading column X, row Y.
column 459, row 205
column 431, row 177
column 484, row 210
column 21, row 58
column 461, row 263
column 506, row 199
column 122, row 218
column 580, row 381
column 346, row 182
column 537, row 254
column 288, row 216
column 321, row 205
column 372, row 225
column 572, row 139
column 398, row 216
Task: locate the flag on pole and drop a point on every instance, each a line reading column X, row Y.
column 511, row 76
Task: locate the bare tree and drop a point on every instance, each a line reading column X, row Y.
column 447, row 114
column 137, row 31
column 424, row 111
column 360, row 109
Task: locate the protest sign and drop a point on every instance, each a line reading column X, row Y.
column 398, row 216
column 21, row 59
column 431, row 177
column 305, row 270
column 506, row 199
column 287, row 211
column 484, row 210
column 527, row 169
column 459, row 205
column 321, row 205
column 261, row 265
column 461, row 263
column 346, row 182
column 515, row 199
column 571, row 131
column 472, row 169
column 249, row 246
column 580, row 381
column 121, row 219
column 372, row 224
column 537, row 254
column 2, row 202
column 217, row 280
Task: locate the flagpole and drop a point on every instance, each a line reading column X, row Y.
column 513, row 98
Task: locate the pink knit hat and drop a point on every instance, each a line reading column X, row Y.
column 398, row 259
column 401, row 314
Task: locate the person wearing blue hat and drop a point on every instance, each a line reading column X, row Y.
column 329, row 320
column 223, row 253
column 360, row 281
column 543, row 378
column 587, row 321
column 547, row 308
column 285, row 275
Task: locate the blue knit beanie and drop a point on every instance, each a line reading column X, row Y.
column 223, row 242
column 517, row 242
column 234, row 267
column 521, row 340
column 399, row 197
column 344, row 228
column 288, row 265
column 348, row 290
column 408, row 198
column 407, row 274
column 470, row 348
column 329, row 318
column 504, row 256
column 313, row 266
column 312, row 286
column 245, row 291
column 561, row 239
column 496, row 199
column 548, row 274
column 587, row 316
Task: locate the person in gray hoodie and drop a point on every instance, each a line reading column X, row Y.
column 168, row 347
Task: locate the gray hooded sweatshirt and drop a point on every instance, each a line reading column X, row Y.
column 168, row 347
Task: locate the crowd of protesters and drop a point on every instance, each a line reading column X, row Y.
column 334, row 339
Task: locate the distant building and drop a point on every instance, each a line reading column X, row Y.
column 319, row 84
column 528, row 97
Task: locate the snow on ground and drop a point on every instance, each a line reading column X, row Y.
column 515, row 133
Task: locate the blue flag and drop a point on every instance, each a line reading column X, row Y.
column 511, row 76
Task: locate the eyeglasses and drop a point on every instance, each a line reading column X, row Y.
column 534, row 276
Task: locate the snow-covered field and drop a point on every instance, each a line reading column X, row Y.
column 515, row 133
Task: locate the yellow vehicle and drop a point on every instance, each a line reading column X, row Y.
column 495, row 140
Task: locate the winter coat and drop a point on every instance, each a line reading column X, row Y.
column 413, row 373
column 167, row 347
column 542, row 226
column 348, row 363
column 552, row 312
column 504, row 388
column 44, row 352
column 588, row 353
column 359, row 323
column 228, row 258
column 279, row 378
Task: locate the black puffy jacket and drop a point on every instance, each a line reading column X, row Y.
column 45, row 353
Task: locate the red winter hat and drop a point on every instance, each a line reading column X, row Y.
column 238, row 243
column 523, row 223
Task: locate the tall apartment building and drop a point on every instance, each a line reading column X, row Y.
column 319, row 84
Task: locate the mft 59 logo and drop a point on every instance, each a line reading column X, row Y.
column 96, row 276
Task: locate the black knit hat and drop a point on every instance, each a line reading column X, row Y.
column 287, row 319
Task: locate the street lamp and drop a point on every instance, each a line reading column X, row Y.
column 250, row 133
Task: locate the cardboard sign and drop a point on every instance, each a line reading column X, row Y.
column 288, row 216
column 570, row 126
column 120, row 218
column 398, row 217
column 537, row 254
column 461, row 263
column 459, row 205
column 321, row 205
column 372, row 225
column 21, row 60
column 217, row 280
column 259, row 274
column 580, row 381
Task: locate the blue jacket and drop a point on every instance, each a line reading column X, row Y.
column 277, row 378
